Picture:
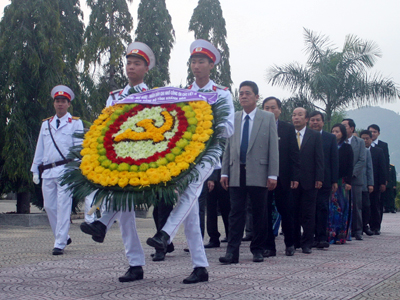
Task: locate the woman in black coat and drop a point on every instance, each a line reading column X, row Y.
column 340, row 210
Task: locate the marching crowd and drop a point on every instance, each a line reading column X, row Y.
column 324, row 187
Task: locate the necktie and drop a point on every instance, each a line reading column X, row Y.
column 298, row 139
column 245, row 140
column 58, row 123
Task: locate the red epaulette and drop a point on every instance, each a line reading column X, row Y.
column 189, row 87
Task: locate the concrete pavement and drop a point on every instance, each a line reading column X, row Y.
column 368, row 269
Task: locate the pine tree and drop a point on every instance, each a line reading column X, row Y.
column 37, row 48
column 106, row 39
column 155, row 29
column 72, row 29
column 30, row 39
column 208, row 23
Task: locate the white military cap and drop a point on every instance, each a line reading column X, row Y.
column 62, row 90
column 206, row 48
column 142, row 50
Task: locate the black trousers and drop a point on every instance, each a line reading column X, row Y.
column 366, row 209
column 202, row 207
column 161, row 213
column 285, row 204
column 218, row 199
column 305, row 206
column 322, row 213
column 237, row 216
column 376, row 209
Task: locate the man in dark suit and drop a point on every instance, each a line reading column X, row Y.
column 357, row 181
column 331, row 172
column 380, row 179
column 375, row 132
column 250, row 166
column 289, row 165
column 311, row 178
column 376, row 142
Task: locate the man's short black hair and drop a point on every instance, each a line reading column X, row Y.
column 202, row 56
column 351, row 123
column 278, row 102
column 315, row 113
column 342, row 130
column 251, row 84
column 366, row 132
column 138, row 56
column 374, row 126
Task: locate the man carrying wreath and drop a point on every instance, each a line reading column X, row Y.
column 204, row 56
column 140, row 59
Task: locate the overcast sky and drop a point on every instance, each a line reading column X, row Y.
column 263, row 33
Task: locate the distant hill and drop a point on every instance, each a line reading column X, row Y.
column 388, row 121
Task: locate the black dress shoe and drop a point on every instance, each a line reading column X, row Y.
column 258, row 257
column 247, row 238
column 368, row 231
column 69, row 241
column 133, row 273
column 314, row 244
column 159, row 241
column 377, row 232
column 359, row 237
column 322, row 245
column 307, row 250
column 170, row 248
column 159, row 256
column 224, row 240
column 228, row 259
column 186, row 250
column 269, row 253
column 211, row 245
column 199, row 274
column 289, row 251
column 96, row 229
column 58, row 251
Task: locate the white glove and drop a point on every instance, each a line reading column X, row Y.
column 36, row 179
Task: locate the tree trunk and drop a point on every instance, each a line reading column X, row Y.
column 23, row 203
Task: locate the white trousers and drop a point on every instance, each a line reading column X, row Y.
column 127, row 224
column 88, row 204
column 186, row 211
column 58, row 205
column 107, row 217
column 133, row 247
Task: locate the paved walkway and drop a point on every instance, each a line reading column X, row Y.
column 368, row 269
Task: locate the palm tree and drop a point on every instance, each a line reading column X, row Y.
column 335, row 79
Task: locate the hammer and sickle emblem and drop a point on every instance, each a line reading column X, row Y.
column 150, row 132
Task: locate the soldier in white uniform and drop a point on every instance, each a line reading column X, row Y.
column 140, row 59
column 57, row 130
column 203, row 58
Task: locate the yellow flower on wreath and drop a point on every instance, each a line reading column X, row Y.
column 123, row 182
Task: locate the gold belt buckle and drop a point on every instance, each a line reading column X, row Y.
column 53, row 165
